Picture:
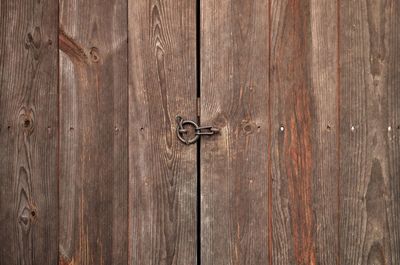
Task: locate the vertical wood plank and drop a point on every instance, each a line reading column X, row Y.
column 369, row 190
column 28, row 132
column 304, row 131
column 162, row 84
column 392, row 82
column 325, row 134
column 94, row 132
column 235, row 184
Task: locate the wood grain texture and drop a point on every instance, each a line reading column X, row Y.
column 235, row 184
column 305, row 170
column 28, row 133
column 162, row 84
column 303, row 76
column 94, row 132
column 369, row 184
column 325, row 134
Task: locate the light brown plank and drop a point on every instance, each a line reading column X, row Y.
column 325, row 133
column 162, row 84
column 93, row 115
column 370, row 116
column 304, row 131
column 235, row 184
column 393, row 120
column 28, row 133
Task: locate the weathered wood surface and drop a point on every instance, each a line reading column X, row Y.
column 304, row 143
column 28, row 133
column 235, row 176
column 162, row 84
column 94, row 132
column 370, row 117
column 305, row 170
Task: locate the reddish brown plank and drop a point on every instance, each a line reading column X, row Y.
column 162, row 84
column 94, row 132
column 304, row 128
column 28, row 133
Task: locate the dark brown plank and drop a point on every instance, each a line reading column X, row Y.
column 370, row 116
column 94, row 132
column 28, row 132
column 235, row 180
column 162, row 84
column 304, row 131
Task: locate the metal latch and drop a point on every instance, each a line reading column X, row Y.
column 199, row 130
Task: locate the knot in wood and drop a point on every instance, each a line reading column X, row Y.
column 26, row 120
column 94, row 54
column 248, row 127
column 34, row 42
column 26, row 123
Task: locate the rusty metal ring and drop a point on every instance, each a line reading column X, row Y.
column 180, row 131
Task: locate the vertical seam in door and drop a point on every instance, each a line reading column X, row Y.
column 198, row 35
column 198, row 146
column 198, row 205
column 128, row 197
column 338, row 126
column 58, row 131
column 269, row 140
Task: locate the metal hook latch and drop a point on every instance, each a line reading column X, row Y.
column 199, row 130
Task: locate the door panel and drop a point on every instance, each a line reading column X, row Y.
column 28, row 132
column 235, row 165
column 162, row 178
column 304, row 85
column 93, row 132
column 369, row 115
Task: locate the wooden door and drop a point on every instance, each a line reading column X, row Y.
column 304, row 169
column 306, row 95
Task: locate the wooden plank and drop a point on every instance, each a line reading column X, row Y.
column 325, row 135
column 235, row 179
column 94, row 132
column 28, row 132
column 162, row 84
column 370, row 116
column 392, row 31
column 304, row 131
